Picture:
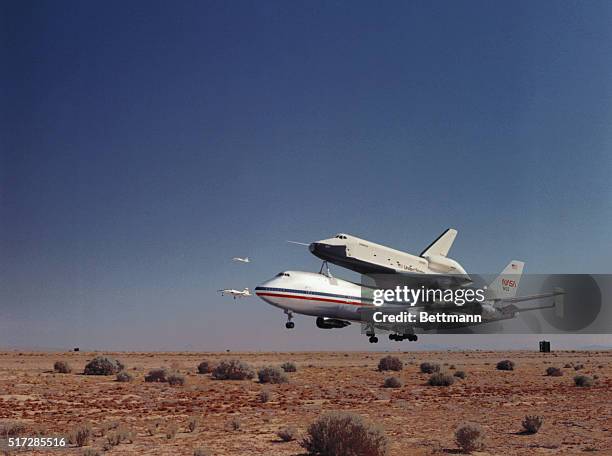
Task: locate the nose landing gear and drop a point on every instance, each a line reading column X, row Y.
column 289, row 324
column 373, row 339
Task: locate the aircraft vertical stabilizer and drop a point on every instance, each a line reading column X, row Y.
column 441, row 245
column 506, row 284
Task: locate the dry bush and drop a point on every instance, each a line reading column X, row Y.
column 233, row 370
column 157, row 375
column 271, row 374
column 103, row 365
column 532, row 424
column 460, row 374
column 390, row 363
column 287, row 434
column 80, row 435
column 171, row 430
column 505, row 365
column 583, row 381
column 567, row 366
column 234, row 424
column 392, row 382
column 124, row 376
column 265, row 395
column 11, row 429
column 578, row 366
column 90, row 452
column 62, row 367
column 554, row 372
column 176, row 379
column 441, row 379
column 153, row 427
column 192, row 424
column 470, row 437
column 205, row 367
column 452, row 367
column 342, row 433
column 201, row 452
column 429, row 368
column 289, row 367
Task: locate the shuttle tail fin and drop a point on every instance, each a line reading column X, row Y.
column 442, row 244
column 506, row 284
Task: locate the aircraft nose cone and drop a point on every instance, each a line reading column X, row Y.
column 312, row 247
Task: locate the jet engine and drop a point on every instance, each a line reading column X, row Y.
column 331, row 323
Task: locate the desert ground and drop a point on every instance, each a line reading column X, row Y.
column 418, row 419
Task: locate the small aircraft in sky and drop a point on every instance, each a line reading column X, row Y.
column 235, row 293
column 241, row 260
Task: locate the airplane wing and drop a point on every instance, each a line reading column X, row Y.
column 417, row 280
column 529, row 297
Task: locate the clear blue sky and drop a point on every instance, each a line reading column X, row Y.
column 146, row 143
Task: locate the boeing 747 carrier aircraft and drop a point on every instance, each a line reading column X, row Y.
column 336, row 303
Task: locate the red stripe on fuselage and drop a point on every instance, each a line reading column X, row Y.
column 310, row 298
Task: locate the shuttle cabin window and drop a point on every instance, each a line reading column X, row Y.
column 340, row 236
column 282, row 274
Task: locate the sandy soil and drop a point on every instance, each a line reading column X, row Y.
column 418, row 419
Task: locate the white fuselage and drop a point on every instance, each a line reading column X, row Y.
column 314, row 294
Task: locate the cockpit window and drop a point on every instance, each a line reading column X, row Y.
column 282, row 274
column 340, row 236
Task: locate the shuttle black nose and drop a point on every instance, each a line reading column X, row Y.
column 312, row 247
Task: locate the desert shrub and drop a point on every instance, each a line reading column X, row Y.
column 11, row 429
column 125, row 434
column 567, row 365
column 80, row 435
column 452, row 367
column 113, row 439
column 578, row 366
column 103, row 365
column 289, row 367
column 201, row 452
column 176, row 379
column 171, row 431
column 232, row 370
column 392, row 382
column 205, row 367
column 287, row 434
column 192, row 424
column 441, row 379
column 90, row 452
column 505, row 365
column 124, row 376
column 271, row 374
column 470, row 437
column 532, row 424
column 342, row 433
column 157, row 375
column 109, row 426
column 583, row 381
column 234, row 424
column 62, row 367
column 152, row 427
column 429, row 368
column 265, row 395
column 554, row 372
column 460, row 374
column 390, row 363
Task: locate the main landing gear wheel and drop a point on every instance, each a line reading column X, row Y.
column 289, row 325
column 400, row 337
column 373, row 339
